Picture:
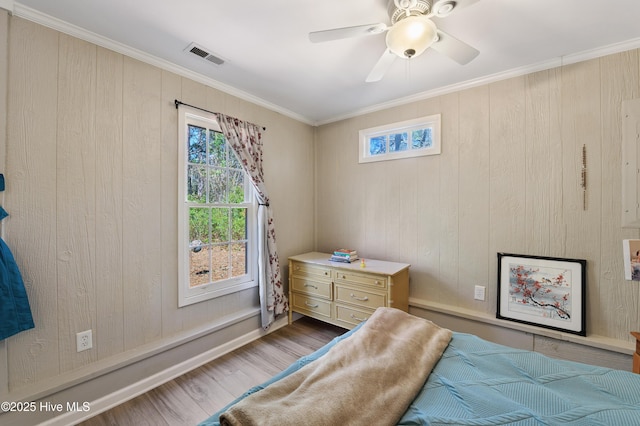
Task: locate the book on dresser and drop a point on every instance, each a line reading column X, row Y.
column 344, row 255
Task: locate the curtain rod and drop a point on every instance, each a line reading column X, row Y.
column 177, row 102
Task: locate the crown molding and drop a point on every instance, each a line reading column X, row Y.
column 91, row 37
column 492, row 78
column 7, row 5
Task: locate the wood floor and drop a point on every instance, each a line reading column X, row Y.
column 195, row 396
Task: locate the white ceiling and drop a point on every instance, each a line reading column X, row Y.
column 269, row 58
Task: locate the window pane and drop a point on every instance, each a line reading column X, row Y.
column 197, row 144
column 217, row 149
column 234, row 163
column 398, row 142
column 238, row 259
column 199, row 266
column 199, row 226
column 220, row 224
column 220, row 262
column 196, row 179
column 236, row 186
column 217, row 185
column 239, row 224
column 378, row 145
column 421, row 138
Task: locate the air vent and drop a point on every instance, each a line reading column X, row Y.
column 204, row 54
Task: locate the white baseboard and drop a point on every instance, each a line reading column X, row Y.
column 135, row 389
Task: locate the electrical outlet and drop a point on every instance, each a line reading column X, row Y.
column 479, row 292
column 84, row 340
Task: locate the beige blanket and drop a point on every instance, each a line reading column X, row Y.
column 369, row 378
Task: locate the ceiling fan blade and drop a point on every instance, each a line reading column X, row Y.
column 456, row 49
column 381, row 67
column 346, row 32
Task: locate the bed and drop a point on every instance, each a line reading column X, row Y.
column 461, row 380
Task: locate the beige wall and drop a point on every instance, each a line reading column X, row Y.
column 508, row 179
column 91, row 168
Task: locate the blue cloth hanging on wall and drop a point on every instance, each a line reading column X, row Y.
column 15, row 312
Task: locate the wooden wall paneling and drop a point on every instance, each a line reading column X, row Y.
column 288, row 163
column 538, row 164
column 110, row 291
column 372, row 181
column 172, row 316
column 473, row 195
column 581, row 122
column 579, row 353
column 347, row 187
column 370, row 210
column 400, row 206
column 637, row 328
column 30, row 195
column 76, row 198
column 216, row 100
column 448, row 219
column 4, row 69
column 557, row 224
column 508, row 179
column 367, row 207
column 195, row 94
column 400, row 193
column 425, row 232
column 617, row 297
column 142, row 197
column 330, row 189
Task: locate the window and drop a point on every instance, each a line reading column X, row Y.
column 216, row 218
column 410, row 138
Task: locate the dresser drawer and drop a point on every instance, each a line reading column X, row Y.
column 309, row 305
column 358, row 297
column 350, row 315
column 312, row 288
column 312, row 271
column 376, row 281
column 344, row 294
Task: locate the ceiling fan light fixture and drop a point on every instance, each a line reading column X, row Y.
column 411, row 36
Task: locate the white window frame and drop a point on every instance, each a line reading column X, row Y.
column 365, row 136
column 188, row 295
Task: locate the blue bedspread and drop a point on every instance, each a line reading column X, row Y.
column 477, row 382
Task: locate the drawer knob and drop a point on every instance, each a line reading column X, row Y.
column 297, row 268
column 357, row 319
column 362, row 299
column 310, row 285
column 344, row 277
column 378, row 282
column 311, row 305
column 326, row 273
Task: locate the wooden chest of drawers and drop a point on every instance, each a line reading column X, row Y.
column 345, row 294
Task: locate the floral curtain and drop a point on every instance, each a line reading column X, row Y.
column 246, row 140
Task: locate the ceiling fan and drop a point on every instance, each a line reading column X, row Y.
column 411, row 32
